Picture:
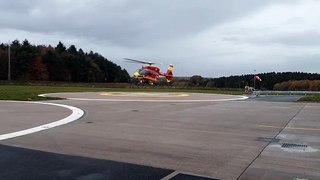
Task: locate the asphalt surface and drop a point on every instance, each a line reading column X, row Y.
column 18, row 163
column 184, row 137
column 275, row 98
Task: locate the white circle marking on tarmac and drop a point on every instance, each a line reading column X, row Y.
column 155, row 100
column 75, row 115
column 159, row 100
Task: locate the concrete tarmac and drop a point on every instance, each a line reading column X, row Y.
column 221, row 139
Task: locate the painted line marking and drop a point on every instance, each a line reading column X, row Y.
column 171, row 175
column 290, row 128
column 161, row 95
column 175, row 173
column 75, row 115
column 160, row 100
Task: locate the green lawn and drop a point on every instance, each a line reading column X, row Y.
column 315, row 98
column 30, row 93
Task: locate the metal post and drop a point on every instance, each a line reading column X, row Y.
column 9, row 62
column 254, row 80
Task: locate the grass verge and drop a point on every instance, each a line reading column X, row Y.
column 315, row 98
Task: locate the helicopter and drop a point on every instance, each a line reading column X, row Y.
column 149, row 74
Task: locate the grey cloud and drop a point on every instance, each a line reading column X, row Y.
column 130, row 23
column 306, row 38
column 177, row 31
column 308, row 63
column 303, row 38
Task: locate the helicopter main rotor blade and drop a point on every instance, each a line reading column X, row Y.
column 138, row 61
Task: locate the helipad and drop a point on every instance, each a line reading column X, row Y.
column 216, row 136
column 146, row 97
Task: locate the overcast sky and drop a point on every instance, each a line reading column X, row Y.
column 211, row 38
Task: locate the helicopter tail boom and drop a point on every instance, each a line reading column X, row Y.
column 169, row 74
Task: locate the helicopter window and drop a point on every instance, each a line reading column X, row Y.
column 141, row 72
column 144, row 72
column 138, row 71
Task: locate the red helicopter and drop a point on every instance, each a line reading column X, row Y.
column 149, row 74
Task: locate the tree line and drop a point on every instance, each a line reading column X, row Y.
column 269, row 80
column 302, row 85
column 47, row 63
